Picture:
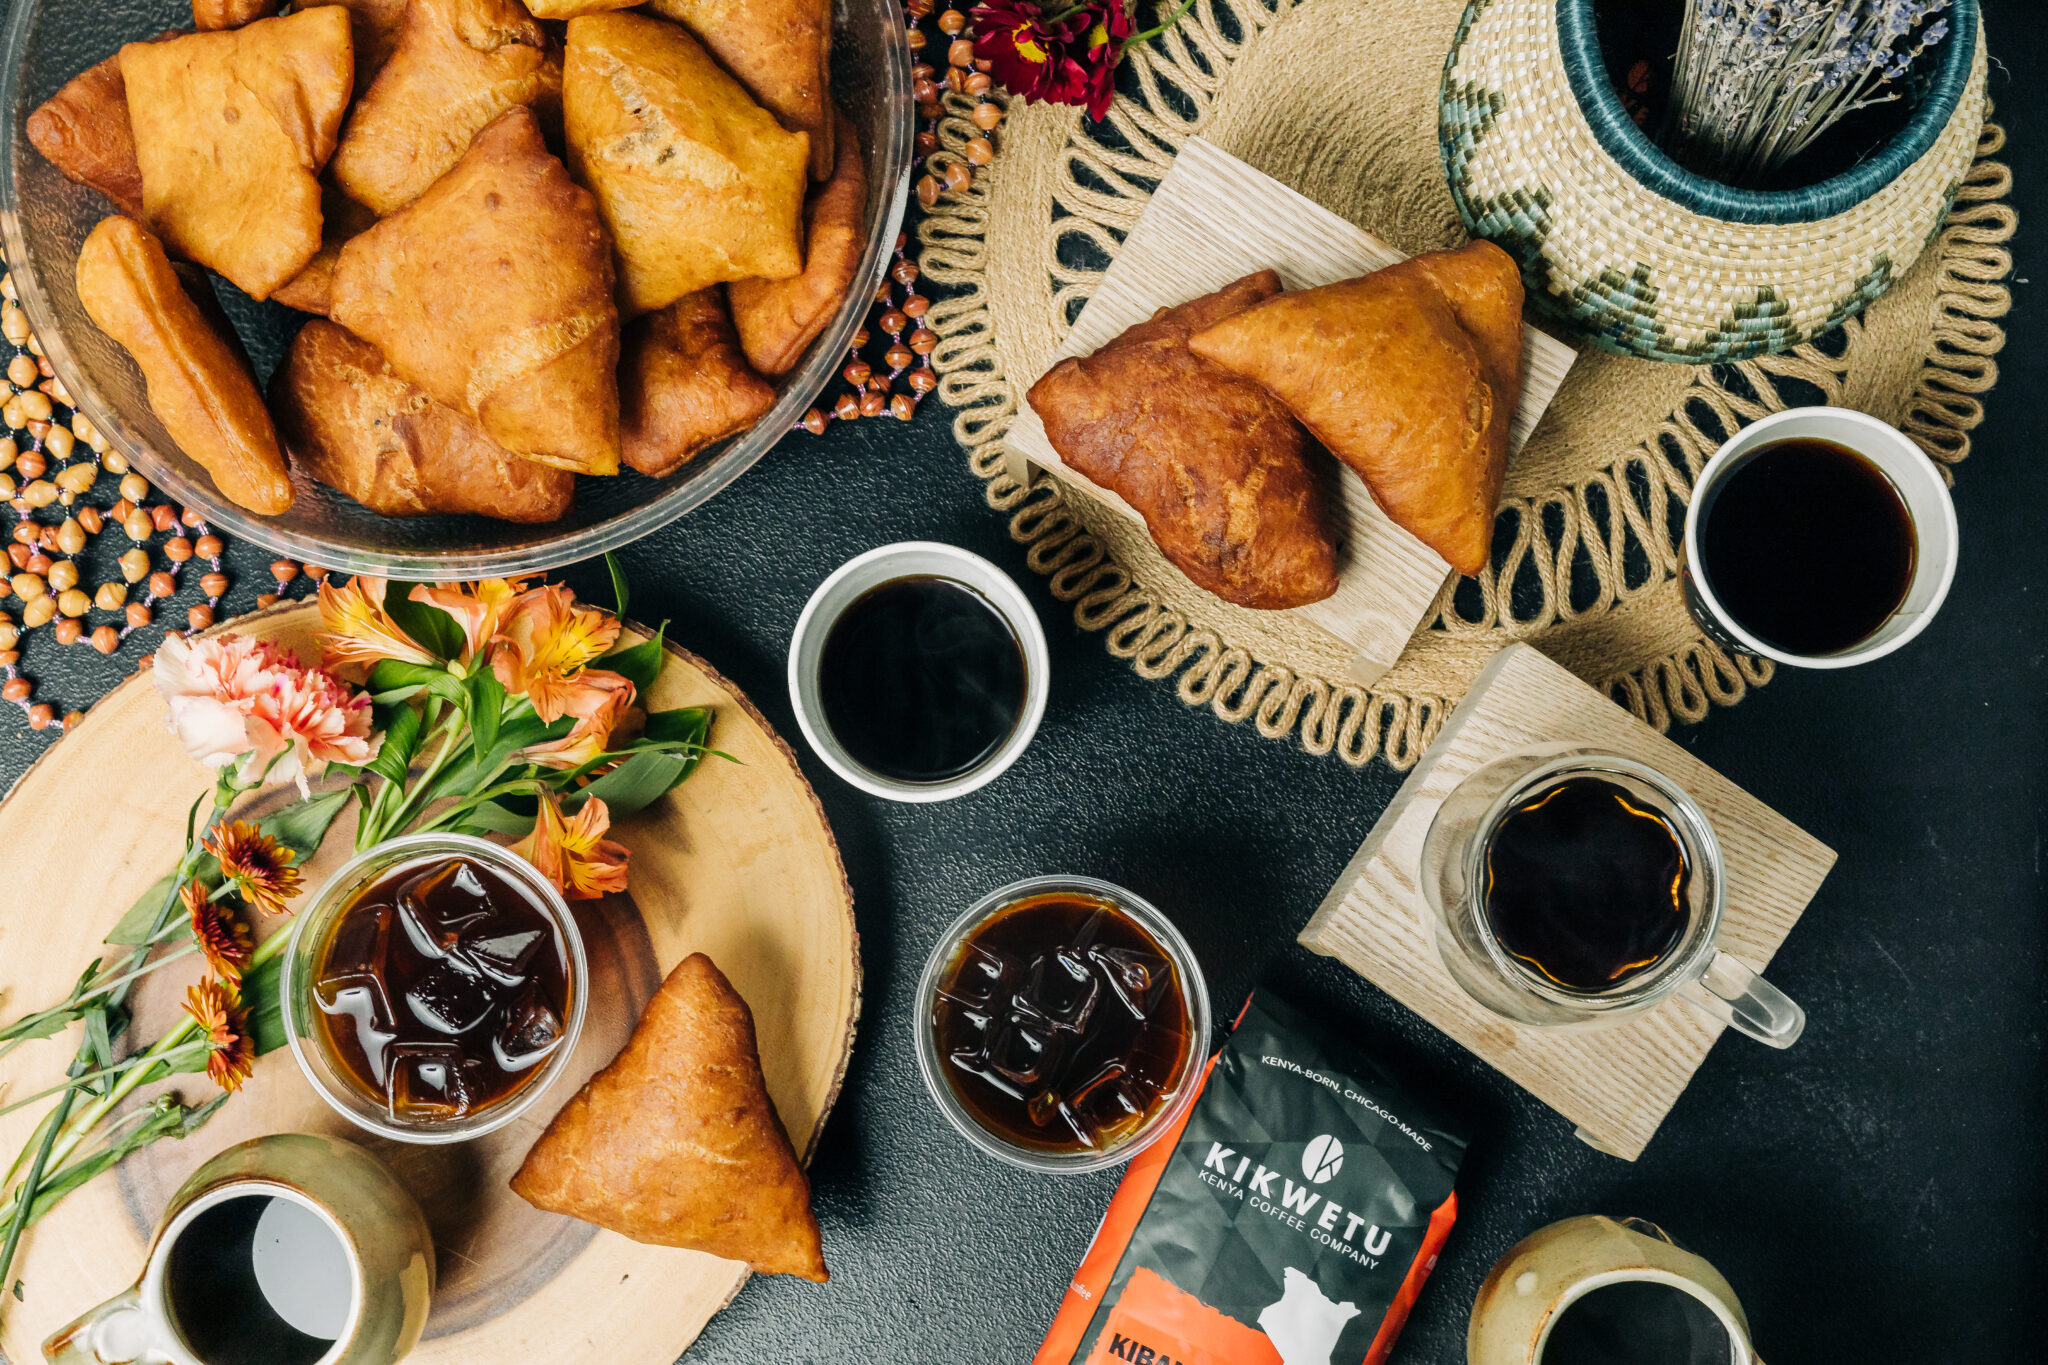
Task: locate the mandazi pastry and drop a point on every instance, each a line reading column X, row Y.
column 211, row 15
column 676, row 1143
column 349, row 421
column 697, row 183
column 684, row 384
column 777, row 319
column 198, row 384
column 458, row 65
column 1218, row 467
column 374, row 26
column 83, row 131
column 493, row 292
column 781, row 51
column 1410, row 375
column 231, row 131
column 312, row 289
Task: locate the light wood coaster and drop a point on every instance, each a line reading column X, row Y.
column 1616, row 1083
column 737, row 862
column 1213, row 220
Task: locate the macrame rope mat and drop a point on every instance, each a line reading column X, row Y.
column 1338, row 99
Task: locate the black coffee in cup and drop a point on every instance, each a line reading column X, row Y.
column 258, row 1280
column 1637, row 1322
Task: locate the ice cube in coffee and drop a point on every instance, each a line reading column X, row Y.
column 441, row 989
column 1061, row 1025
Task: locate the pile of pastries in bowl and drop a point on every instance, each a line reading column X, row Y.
column 536, row 240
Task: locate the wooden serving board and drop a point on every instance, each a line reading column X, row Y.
column 1616, row 1083
column 1213, row 220
column 738, row 862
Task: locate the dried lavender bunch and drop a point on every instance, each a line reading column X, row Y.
column 1755, row 82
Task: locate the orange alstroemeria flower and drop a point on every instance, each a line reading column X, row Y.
column 547, row 639
column 479, row 608
column 573, row 852
column 602, row 702
column 357, row 630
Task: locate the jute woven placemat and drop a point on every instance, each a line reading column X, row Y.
column 1338, row 98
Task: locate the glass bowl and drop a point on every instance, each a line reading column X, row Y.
column 314, row 925
column 44, row 218
column 1194, row 992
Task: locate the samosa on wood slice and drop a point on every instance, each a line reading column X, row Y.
column 676, row 1144
column 197, row 380
column 493, row 292
column 697, row 183
column 231, row 132
column 1216, row 465
column 781, row 51
column 1410, row 375
column 684, row 384
column 777, row 319
column 458, row 65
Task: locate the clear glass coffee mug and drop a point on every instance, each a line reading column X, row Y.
column 1454, row 881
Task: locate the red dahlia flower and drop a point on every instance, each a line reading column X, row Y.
column 1062, row 53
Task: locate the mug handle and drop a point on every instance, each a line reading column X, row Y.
column 118, row 1332
column 1736, row 995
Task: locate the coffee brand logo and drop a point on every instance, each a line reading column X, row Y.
column 1322, row 1159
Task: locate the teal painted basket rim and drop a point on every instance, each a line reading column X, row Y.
column 1646, row 163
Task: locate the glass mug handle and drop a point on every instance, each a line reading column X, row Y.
column 1736, row 995
column 118, row 1332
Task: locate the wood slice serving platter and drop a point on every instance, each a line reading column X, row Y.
column 1213, row 220
column 1618, row 1082
column 738, row 862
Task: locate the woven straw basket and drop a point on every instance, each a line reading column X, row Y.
column 1645, row 258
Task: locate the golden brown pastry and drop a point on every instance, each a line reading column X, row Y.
column 458, row 65
column 210, row 15
column 493, row 292
column 374, row 24
column 83, row 131
column 569, row 9
column 696, row 182
column 684, row 384
column 780, row 50
column 199, row 386
column 1410, row 375
column 676, row 1144
column 312, row 289
column 1217, row 467
column 778, row 318
column 231, row 130
column 349, row 421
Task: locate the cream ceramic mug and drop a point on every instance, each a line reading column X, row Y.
column 283, row 1250
column 1526, row 1296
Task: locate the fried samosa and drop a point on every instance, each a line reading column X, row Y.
column 676, row 1143
column 198, row 383
column 1410, row 375
column 696, row 182
column 350, row 422
column 458, row 65
column 209, row 16
column 312, row 289
column 1217, row 466
column 684, row 384
column 780, row 50
column 231, row 131
column 83, row 131
column 374, row 24
column 493, row 292
column 778, row 318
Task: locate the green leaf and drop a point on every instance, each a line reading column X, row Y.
column 431, row 628
column 134, row 927
column 174, row 1121
column 639, row 664
column 683, row 725
column 472, row 773
column 302, row 826
column 264, row 1000
column 388, row 676
column 393, row 761
column 635, row 784
column 494, row 817
column 47, row 1024
column 618, row 573
column 486, row 709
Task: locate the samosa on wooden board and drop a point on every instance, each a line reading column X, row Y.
column 493, row 292
column 1410, row 375
column 781, row 50
column 676, row 1143
column 231, row 132
column 777, row 319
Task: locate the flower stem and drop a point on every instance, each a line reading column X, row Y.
column 79, row 1080
column 1179, row 13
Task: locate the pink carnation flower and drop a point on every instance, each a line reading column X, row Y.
column 249, row 703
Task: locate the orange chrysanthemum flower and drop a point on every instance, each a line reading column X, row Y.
column 259, row 866
column 231, row 1052
column 572, row 852
column 222, row 937
column 479, row 608
column 357, row 630
column 547, row 639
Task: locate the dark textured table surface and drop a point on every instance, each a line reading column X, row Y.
column 1875, row 1193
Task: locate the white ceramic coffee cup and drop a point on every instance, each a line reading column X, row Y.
column 885, row 564
column 1919, row 484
